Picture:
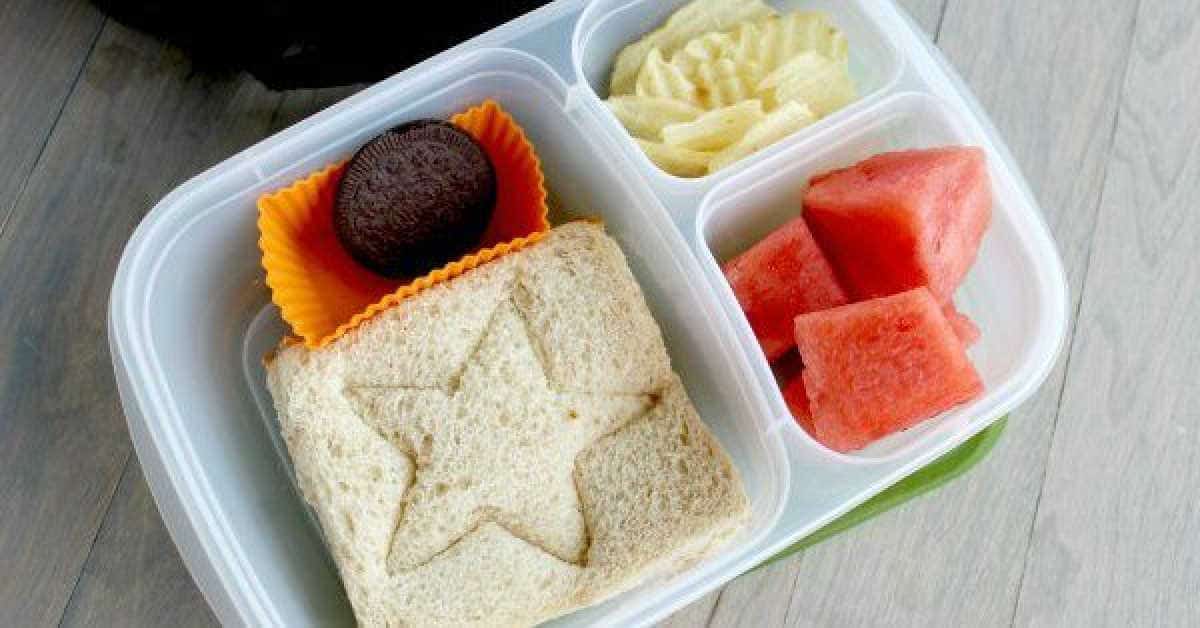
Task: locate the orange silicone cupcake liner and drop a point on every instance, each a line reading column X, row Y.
column 323, row 293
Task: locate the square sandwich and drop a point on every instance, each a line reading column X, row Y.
column 505, row 447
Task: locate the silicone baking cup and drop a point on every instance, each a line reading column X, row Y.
column 323, row 293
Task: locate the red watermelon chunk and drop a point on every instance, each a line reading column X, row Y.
column 789, row 366
column 880, row 366
column 781, row 277
column 796, row 397
column 902, row 220
column 967, row 331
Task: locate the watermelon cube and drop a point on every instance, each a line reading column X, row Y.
column 967, row 331
column 788, row 366
column 902, row 220
column 880, row 366
column 781, row 277
column 796, row 397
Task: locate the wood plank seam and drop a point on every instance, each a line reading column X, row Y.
column 712, row 612
column 12, row 209
column 1069, row 342
column 276, row 115
column 92, row 546
column 937, row 31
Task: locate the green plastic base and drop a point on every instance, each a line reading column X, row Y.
column 936, row 474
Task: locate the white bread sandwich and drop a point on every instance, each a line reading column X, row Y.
column 505, row 447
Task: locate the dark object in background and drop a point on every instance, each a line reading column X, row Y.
column 302, row 43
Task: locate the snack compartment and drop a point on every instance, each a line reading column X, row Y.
column 607, row 26
column 191, row 319
column 1005, row 293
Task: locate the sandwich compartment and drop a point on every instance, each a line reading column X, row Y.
column 190, row 317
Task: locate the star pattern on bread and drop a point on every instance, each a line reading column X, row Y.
column 463, row 477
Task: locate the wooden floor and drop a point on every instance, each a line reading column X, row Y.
column 1087, row 514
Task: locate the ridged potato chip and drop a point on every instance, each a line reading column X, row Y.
column 801, row 31
column 813, row 79
column 690, row 21
column 745, row 44
column 772, row 41
column 703, row 49
column 715, row 129
column 659, row 79
column 787, row 119
column 645, row 116
column 722, row 82
column 676, row 160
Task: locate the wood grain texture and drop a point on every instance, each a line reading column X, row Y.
column 35, row 86
column 136, row 125
column 299, row 104
column 921, row 565
column 135, row 576
column 1117, row 537
column 926, row 13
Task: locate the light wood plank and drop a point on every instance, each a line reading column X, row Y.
column 137, row 124
column 1117, row 538
column 926, row 13
column 923, row 564
column 35, row 85
column 695, row 614
column 135, row 576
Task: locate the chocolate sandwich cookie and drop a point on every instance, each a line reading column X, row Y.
column 414, row 198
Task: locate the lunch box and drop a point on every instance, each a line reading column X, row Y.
column 191, row 317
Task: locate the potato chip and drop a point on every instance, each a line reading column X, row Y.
column 745, row 44
column 689, row 21
column 802, row 31
column 715, row 129
column 787, row 119
column 678, row 161
column 645, row 117
column 773, row 41
column 659, row 79
column 813, row 79
column 706, row 48
column 722, row 83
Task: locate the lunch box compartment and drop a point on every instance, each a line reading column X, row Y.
column 607, row 26
column 205, row 322
column 747, row 207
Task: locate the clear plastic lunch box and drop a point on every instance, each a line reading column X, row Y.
column 191, row 317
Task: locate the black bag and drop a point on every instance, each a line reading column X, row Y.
column 303, row 43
